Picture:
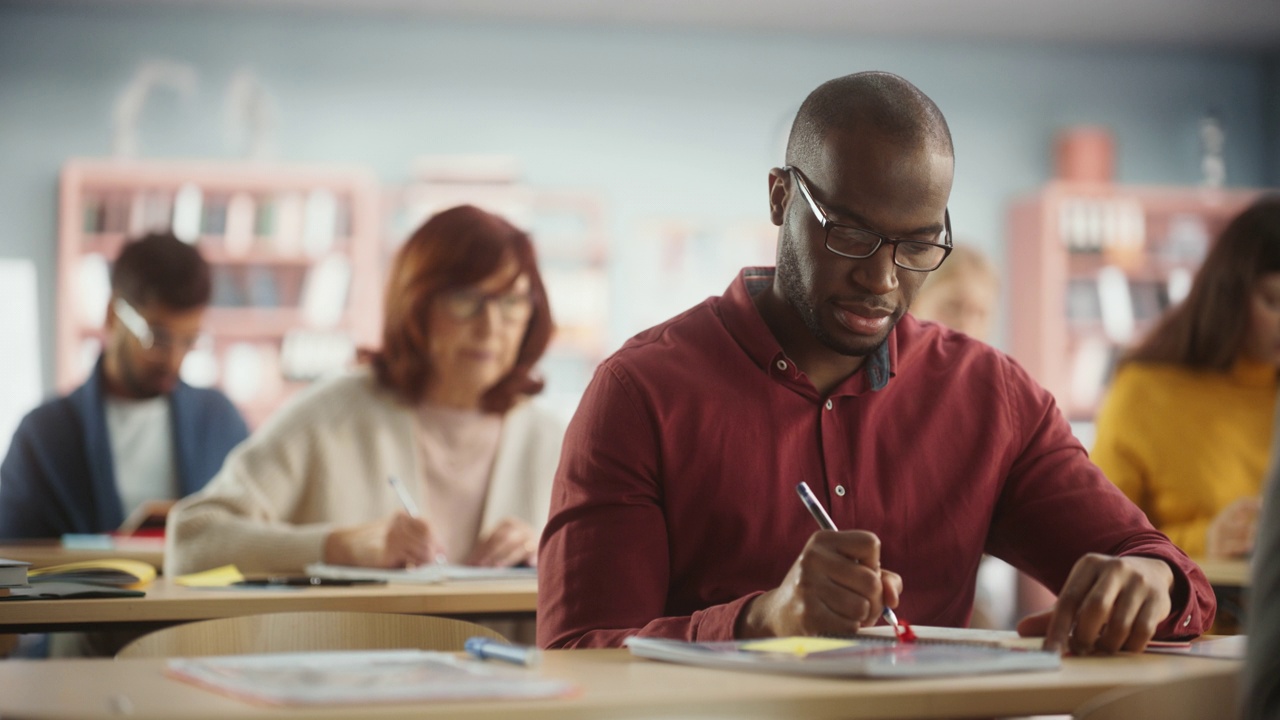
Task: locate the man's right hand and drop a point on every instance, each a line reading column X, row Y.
column 835, row 587
column 392, row 542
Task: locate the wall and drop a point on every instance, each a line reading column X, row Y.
column 662, row 124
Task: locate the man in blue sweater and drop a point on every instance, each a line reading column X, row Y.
column 133, row 433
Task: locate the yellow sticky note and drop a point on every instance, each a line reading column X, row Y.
column 217, row 577
column 797, row 645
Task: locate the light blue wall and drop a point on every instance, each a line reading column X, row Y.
column 662, row 124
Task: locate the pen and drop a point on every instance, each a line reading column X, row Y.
column 901, row 631
column 406, row 499
column 410, row 507
column 485, row 648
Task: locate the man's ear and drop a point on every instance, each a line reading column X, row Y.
column 779, row 190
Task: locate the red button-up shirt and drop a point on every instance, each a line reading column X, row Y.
column 675, row 504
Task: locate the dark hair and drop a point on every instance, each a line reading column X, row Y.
column 880, row 100
column 1208, row 328
column 457, row 247
column 159, row 267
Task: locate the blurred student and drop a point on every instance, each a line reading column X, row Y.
column 133, row 433
column 1185, row 430
column 1261, row 683
column 962, row 294
column 443, row 406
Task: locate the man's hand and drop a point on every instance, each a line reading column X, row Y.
column 835, row 587
column 1107, row 604
column 1232, row 532
column 510, row 543
column 393, row 542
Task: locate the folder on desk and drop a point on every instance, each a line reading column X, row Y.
column 862, row 656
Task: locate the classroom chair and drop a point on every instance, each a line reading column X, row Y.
column 1208, row 696
column 306, row 631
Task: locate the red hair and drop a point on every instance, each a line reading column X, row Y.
column 456, row 248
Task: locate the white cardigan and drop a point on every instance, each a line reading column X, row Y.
column 322, row 462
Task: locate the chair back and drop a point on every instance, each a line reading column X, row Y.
column 1205, row 696
column 307, row 631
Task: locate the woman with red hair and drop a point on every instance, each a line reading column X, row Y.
column 443, row 407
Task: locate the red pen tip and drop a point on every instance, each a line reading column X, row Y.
column 908, row 635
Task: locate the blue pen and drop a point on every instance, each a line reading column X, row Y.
column 819, row 513
column 485, row 648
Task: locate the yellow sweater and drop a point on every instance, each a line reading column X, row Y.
column 1184, row 444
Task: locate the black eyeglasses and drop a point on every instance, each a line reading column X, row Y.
column 859, row 244
column 469, row 303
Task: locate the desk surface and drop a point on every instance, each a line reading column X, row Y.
column 1225, row 573
column 613, row 684
column 168, row 603
column 41, row 553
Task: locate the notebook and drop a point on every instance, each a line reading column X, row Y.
column 13, row 573
column 115, row 572
column 429, row 574
column 67, row 590
column 362, row 676
column 861, row 656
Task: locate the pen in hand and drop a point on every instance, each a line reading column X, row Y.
column 410, row 507
column 901, row 630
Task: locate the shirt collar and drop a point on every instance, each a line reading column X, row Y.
column 743, row 321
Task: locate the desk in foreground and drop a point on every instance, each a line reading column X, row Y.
column 613, row 685
column 166, row 604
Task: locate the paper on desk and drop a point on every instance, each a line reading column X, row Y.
column 217, row 577
column 428, row 574
column 366, row 676
column 933, row 633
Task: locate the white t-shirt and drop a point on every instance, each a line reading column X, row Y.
column 141, row 436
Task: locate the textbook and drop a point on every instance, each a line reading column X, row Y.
column 362, row 676
column 428, row 574
column 13, row 573
column 860, row 656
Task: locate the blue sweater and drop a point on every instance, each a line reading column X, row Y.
column 59, row 476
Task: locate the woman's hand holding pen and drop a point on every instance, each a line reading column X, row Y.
column 395, row 541
column 835, row 587
column 512, row 542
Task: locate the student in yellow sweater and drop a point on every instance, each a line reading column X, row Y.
column 1185, row 430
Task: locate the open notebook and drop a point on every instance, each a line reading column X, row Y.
column 869, row 655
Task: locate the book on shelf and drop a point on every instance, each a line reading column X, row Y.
column 364, row 676
column 938, row 652
column 425, row 574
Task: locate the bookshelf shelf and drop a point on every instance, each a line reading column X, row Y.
column 1092, row 267
column 295, row 252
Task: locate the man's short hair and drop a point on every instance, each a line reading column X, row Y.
column 160, row 268
column 878, row 100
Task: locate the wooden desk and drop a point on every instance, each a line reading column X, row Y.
column 167, row 604
column 1225, row 573
column 613, row 684
column 41, row 553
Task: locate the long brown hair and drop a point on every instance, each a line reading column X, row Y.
column 1207, row 330
column 455, row 248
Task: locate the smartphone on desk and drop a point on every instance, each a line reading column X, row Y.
column 305, row 581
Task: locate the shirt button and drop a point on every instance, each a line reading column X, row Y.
column 1187, row 621
column 782, row 364
column 840, row 490
column 828, row 404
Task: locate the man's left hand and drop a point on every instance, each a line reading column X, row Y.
column 1107, row 604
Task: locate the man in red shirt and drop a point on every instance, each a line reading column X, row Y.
column 674, row 511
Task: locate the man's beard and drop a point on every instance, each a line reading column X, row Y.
column 789, row 272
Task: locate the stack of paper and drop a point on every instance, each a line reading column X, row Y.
column 363, row 677
column 429, row 574
column 13, row 574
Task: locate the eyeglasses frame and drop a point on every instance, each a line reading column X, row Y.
column 825, row 221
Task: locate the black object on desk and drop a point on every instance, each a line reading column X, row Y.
column 305, row 581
